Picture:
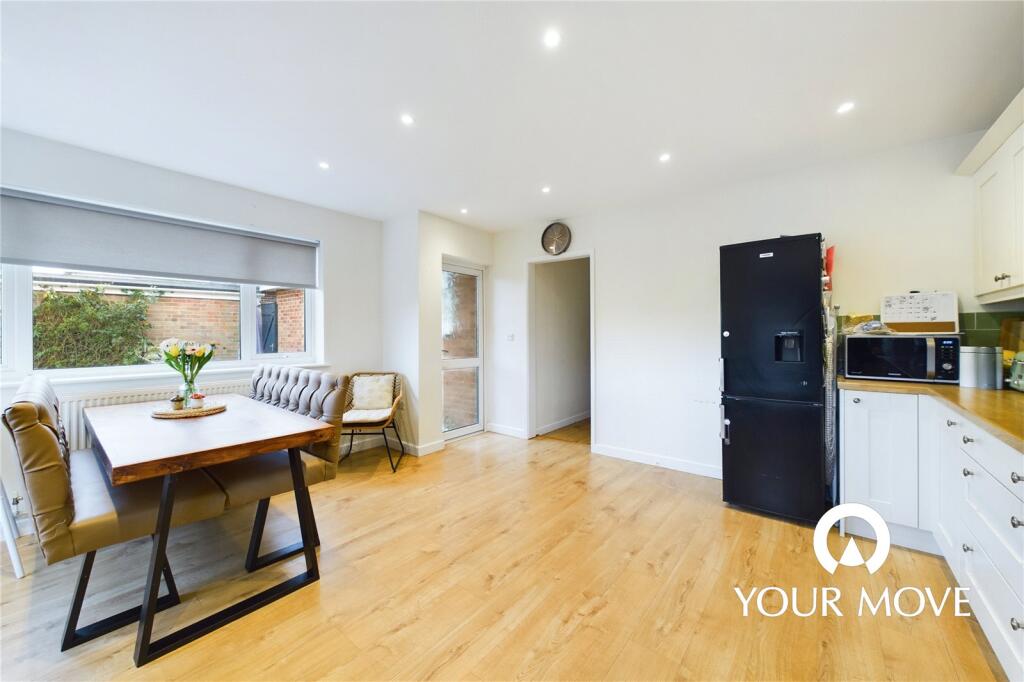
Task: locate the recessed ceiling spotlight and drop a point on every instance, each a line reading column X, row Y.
column 665, row 157
column 463, row 211
column 552, row 38
column 545, row 189
column 324, row 165
column 845, row 108
column 407, row 120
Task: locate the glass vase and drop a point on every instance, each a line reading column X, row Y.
column 186, row 390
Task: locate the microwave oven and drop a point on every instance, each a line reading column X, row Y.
column 903, row 358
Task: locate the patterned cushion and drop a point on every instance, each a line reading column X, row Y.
column 365, row 416
column 373, row 391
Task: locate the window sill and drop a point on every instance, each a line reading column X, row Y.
column 132, row 377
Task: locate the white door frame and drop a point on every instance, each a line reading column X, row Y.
column 531, row 353
column 477, row 362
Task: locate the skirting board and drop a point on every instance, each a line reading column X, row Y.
column 673, row 463
column 506, row 430
column 901, row 536
column 369, row 441
column 561, row 423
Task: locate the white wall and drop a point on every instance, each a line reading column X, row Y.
column 442, row 239
column 400, row 315
column 415, row 245
column 561, row 329
column 350, row 247
column 900, row 220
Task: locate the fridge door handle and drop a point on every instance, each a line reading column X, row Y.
column 723, row 430
column 721, row 375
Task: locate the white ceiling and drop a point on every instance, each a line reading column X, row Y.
column 257, row 94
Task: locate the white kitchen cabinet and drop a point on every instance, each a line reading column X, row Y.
column 997, row 165
column 969, row 490
column 999, row 222
column 950, row 488
column 879, row 453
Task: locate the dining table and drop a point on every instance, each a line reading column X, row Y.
column 132, row 445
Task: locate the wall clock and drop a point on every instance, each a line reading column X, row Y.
column 556, row 238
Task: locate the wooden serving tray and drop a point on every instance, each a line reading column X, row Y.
column 188, row 413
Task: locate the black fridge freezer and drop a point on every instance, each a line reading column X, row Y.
column 777, row 378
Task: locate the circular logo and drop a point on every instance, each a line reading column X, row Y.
column 851, row 555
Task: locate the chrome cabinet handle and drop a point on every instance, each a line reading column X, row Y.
column 968, row 439
column 856, row 400
column 1015, row 624
column 966, row 547
column 1015, row 477
column 967, row 472
column 950, row 422
column 1015, row 522
column 1000, row 278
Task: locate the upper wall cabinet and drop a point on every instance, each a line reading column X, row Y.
column 997, row 165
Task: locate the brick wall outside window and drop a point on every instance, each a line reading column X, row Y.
column 208, row 320
column 197, row 319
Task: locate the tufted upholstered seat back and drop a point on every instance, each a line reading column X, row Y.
column 305, row 391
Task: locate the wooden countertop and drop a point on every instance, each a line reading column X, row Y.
column 1001, row 413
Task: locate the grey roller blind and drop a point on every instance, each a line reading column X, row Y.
column 41, row 230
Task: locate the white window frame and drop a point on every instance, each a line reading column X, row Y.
column 17, row 362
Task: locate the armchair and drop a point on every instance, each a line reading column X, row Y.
column 371, row 403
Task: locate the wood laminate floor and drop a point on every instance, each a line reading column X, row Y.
column 498, row 559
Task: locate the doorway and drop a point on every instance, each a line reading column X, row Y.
column 462, row 367
column 561, row 349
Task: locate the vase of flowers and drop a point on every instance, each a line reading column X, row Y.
column 186, row 358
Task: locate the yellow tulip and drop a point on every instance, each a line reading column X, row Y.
column 200, row 351
column 173, row 351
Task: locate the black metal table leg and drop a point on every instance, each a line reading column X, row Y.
column 147, row 650
column 253, row 560
column 304, row 507
column 156, row 563
column 74, row 635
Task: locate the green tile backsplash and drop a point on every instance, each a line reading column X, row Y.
column 978, row 329
column 982, row 329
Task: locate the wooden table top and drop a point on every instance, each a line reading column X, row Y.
column 134, row 446
column 1000, row 413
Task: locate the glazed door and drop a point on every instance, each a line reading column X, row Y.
column 462, row 369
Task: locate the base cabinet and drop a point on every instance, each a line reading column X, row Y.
column 975, row 527
column 968, row 490
column 880, row 446
column 998, row 610
column 948, row 492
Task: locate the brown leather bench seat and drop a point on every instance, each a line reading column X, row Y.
column 315, row 394
column 75, row 508
column 255, row 478
column 107, row 515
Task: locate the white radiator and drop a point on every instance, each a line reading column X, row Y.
column 71, row 409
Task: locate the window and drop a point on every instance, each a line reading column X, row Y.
column 281, row 317
column 91, row 319
column 67, row 319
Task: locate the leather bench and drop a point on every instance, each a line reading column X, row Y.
column 75, row 509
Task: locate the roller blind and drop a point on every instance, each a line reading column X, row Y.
column 42, row 230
